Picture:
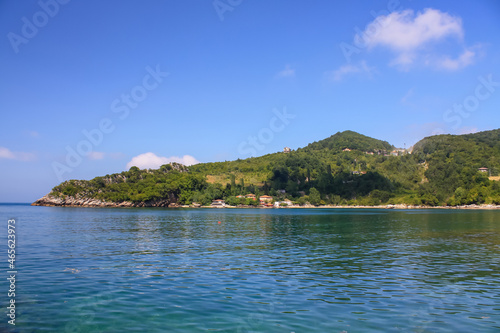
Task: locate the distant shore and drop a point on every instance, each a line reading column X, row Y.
column 51, row 201
column 361, row 207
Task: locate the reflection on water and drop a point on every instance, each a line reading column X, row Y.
column 159, row 270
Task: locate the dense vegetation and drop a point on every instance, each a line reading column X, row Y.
column 441, row 170
column 452, row 168
column 351, row 140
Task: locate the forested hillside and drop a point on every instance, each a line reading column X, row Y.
column 351, row 140
column 452, row 164
column 345, row 169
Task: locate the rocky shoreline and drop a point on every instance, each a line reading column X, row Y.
column 53, row 201
column 69, row 201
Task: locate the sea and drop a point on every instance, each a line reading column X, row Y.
column 248, row 270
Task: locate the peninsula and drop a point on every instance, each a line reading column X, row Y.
column 347, row 169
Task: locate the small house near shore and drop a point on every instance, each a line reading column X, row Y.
column 251, row 196
column 218, row 203
column 284, row 203
column 265, row 198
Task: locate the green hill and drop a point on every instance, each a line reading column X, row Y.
column 350, row 140
column 452, row 163
column 442, row 170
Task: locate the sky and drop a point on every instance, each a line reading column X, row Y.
column 89, row 88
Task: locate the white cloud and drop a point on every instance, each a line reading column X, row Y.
column 403, row 31
column 96, row 155
column 152, row 161
column 18, row 156
column 464, row 60
column 287, row 72
column 409, row 36
column 6, row 153
column 344, row 70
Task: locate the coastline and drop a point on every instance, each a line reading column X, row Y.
column 50, row 201
column 490, row 207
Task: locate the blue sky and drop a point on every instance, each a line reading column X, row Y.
column 89, row 88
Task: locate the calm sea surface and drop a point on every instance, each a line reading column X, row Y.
column 258, row 270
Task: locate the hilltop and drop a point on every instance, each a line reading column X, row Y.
column 350, row 140
column 347, row 168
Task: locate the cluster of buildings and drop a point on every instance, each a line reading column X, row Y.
column 264, row 201
column 267, row 201
column 395, row 152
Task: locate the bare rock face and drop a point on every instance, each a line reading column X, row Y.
column 69, row 201
column 49, row 200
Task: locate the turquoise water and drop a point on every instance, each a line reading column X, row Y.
column 259, row 270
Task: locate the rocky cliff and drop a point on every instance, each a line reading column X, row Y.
column 70, row 201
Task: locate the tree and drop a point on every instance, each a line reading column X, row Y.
column 233, row 181
column 134, row 169
column 265, row 188
column 232, row 201
column 460, row 196
column 280, row 177
column 314, row 196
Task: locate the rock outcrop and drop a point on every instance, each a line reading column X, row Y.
column 69, row 201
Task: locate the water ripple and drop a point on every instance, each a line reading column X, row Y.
column 158, row 270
